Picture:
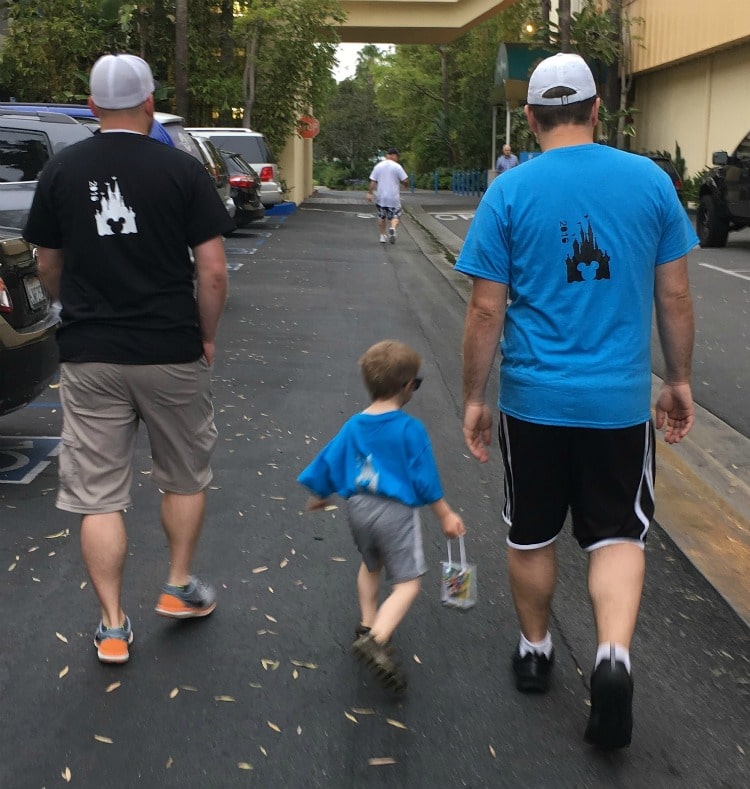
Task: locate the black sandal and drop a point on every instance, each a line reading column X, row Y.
column 379, row 659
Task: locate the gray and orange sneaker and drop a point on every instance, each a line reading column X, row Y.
column 112, row 642
column 185, row 602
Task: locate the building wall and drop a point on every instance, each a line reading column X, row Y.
column 702, row 104
column 674, row 30
column 295, row 165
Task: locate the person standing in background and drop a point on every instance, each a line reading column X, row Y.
column 506, row 161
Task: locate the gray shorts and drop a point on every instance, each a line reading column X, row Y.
column 388, row 533
column 388, row 212
column 103, row 404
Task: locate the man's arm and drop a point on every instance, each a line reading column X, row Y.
column 211, row 270
column 675, row 323
column 485, row 316
column 373, row 185
column 49, row 268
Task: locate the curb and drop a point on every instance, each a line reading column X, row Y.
column 702, row 483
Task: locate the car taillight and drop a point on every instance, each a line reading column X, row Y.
column 266, row 174
column 6, row 304
column 242, row 181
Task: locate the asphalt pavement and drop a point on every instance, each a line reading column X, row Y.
column 264, row 692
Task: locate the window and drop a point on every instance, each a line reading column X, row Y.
column 22, row 155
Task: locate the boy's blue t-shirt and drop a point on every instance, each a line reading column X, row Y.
column 386, row 455
column 576, row 234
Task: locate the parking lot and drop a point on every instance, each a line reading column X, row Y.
column 264, row 691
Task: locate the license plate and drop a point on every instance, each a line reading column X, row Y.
column 34, row 291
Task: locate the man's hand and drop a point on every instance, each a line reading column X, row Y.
column 675, row 406
column 370, row 197
column 209, row 351
column 477, row 429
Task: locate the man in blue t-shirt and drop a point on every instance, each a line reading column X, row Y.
column 569, row 254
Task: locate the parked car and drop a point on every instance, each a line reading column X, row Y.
column 167, row 128
column 28, row 321
column 245, row 189
column 665, row 163
column 724, row 196
column 254, row 149
column 27, row 141
column 216, row 168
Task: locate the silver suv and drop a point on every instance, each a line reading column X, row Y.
column 253, row 148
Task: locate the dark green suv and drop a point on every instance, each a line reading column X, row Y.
column 724, row 196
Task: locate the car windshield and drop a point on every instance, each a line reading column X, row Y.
column 22, row 155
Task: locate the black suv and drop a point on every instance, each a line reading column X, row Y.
column 27, row 141
column 724, row 196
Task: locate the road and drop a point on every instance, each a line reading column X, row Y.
column 267, row 680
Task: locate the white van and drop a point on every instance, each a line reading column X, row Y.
column 253, row 148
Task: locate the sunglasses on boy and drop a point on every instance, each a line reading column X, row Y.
column 415, row 382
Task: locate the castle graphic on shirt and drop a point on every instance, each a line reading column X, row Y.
column 588, row 261
column 114, row 217
column 368, row 476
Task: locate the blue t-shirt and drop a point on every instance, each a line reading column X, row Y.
column 379, row 454
column 576, row 234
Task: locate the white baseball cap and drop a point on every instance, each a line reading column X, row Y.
column 563, row 71
column 118, row 82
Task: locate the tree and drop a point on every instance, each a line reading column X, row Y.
column 289, row 48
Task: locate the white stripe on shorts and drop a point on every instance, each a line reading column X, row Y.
column 647, row 479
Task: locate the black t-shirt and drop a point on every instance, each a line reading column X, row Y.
column 125, row 209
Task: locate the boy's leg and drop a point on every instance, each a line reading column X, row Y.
column 394, row 609
column 368, row 587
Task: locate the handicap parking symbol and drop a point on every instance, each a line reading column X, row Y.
column 23, row 458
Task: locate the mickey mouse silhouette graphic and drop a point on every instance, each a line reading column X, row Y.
column 588, row 262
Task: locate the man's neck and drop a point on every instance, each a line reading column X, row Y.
column 566, row 135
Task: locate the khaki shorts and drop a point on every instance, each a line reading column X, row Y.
column 103, row 404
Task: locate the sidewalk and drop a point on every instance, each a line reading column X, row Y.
column 703, row 484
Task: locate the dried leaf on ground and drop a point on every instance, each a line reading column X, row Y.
column 244, row 765
column 257, row 570
column 255, row 684
column 169, row 763
column 268, row 663
column 83, row 584
column 224, row 698
column 173, row 692
column 112, row 687
column 62, row 638
column 338, row 559
column 66, row 774
column 377, row 761
column 303, row 664
column 351, row 717
column 63, row 672
column 189, row 687
column 492, row 752
column 417, row 660
column 277, row 498
column 263, row 750
column 283, row 563
column 12, row 567
column 63, row 533
column 273, row 726
column 299, row 730
column 363, row 710
column 330, row 507
column 102, row 738
column 271, row 619
column 397, row 724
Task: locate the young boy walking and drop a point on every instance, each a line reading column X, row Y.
column 381, row 462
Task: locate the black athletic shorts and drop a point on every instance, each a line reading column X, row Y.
column 604, row 476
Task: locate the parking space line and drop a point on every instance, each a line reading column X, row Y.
column 737, row 274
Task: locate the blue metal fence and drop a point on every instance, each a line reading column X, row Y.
column 468, row 182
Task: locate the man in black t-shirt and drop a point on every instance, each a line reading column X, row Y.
column 114, row 219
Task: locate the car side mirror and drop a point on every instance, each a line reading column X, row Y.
column 720, row 158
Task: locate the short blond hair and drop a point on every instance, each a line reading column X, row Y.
column 387, row 367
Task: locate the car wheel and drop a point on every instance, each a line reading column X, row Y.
column 712, row 228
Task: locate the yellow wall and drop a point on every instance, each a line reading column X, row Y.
column 296, row 164
column 703, row 104
column 677, row 29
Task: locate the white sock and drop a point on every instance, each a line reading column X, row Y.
column 604, row 652
column 543, row 647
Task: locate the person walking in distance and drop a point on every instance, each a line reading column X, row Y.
column 569, row 255
column 114, row 218
column 506, row 161
column 381, row 462
column 386, row 180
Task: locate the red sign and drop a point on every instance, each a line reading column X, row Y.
column 308, row 127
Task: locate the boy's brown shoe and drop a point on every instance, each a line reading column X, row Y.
column 379, row 659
